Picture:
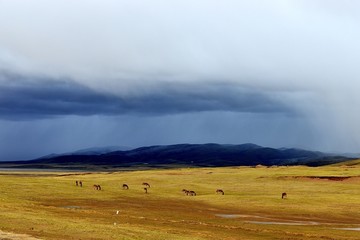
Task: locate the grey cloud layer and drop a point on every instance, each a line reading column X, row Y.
column 29, row 97
column 278, row 73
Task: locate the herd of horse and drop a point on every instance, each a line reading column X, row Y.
column 147, row 185
column 188, row 192
column 126, row 187
column 78, row 183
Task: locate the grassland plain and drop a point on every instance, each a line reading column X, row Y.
column 321, row 202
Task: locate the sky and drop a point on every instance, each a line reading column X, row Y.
column 92, row 73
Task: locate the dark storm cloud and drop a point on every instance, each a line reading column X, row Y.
column 276, row 73
column 24, row 98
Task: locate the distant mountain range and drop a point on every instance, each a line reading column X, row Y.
column 89, row 151
column 210, row 154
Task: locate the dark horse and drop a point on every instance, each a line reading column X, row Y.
column 125, row 186
column 189, row 193
column 97, row 187
column 220, row 191
column 283, row 195
column 185, row 191
column 146, row 184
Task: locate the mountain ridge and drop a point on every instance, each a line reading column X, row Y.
column 202, row 155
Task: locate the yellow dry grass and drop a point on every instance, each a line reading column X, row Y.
column 48, row 205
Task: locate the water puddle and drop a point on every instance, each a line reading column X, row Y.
column 15, row 236
column 292, row 223
column 71, row 207
column 231, row 216
column 349, row 229
column 262, row 220
column 256, row 219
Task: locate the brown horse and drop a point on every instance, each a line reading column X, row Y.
column 185, row 191
column 77, row 183
column 283, row 195
column 97, row 187
column 146, row 190
column 220, row 191
column 146, row 184
column 125, row 186
column 80, row 183
column 191, row 193
column 188, row 193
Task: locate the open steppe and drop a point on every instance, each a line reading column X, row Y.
column 322, row 203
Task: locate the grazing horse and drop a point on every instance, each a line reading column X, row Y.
column 97, row 187
column 146, row 184
column 146, row 190
column 220, row 191
column 186, row 192
column 191, row 193
column 283, row 195
column 125, row 186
